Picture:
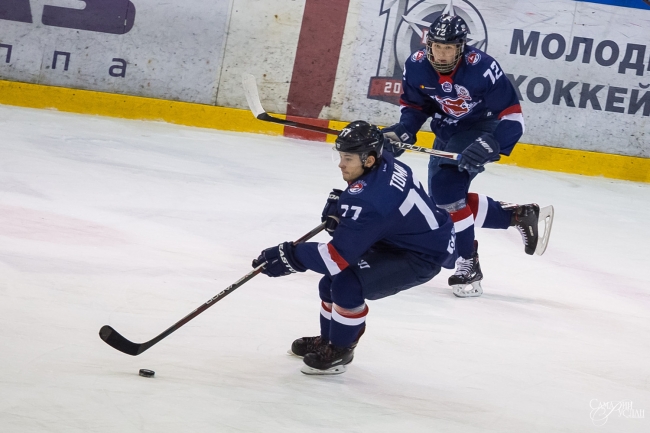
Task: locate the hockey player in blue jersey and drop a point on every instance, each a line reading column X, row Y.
column 475, row 112
column 387, row 236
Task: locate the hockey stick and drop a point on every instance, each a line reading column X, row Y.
column 254, row 103
column 117, row 341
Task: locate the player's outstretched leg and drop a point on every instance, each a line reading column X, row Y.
column 534, row 223
column 466, row 281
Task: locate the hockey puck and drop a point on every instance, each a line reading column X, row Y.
column 146, row 373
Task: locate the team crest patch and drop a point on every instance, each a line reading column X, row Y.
column 463, row 93
column 418, row 56
column 473, row 58
column 357, row 187
column 447, row 87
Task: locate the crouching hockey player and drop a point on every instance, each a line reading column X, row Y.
column 475, row 112
column 387, row 236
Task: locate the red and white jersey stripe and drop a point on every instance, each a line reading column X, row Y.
column 463, row 219
column 514, row 113
column 478, row 203
column 333, row 260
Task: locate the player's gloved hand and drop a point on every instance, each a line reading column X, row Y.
column 482, row 150
column 280, row 261
column 397, row 132
column 330, row 215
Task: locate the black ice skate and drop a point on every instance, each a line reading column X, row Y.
column 327, row 359
column 527, row 218
column 305, row 345
column 468, row 273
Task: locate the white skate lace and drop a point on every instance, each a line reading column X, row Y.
column 463, row 266
column 524, row 234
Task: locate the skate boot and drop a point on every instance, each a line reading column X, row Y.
column 468, row 273
column 526, row 218
column 327, row 359
column 305, row 345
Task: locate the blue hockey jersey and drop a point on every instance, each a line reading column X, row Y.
column 475, row 91
column 386, row 208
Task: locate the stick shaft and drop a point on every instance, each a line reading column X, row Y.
column 117, row 341
column 255, row 105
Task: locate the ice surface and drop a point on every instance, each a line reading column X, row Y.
column 135, row 224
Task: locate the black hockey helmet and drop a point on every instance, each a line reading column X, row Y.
column 448, row 30
column 362, row 138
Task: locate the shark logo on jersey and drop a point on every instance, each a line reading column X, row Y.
column 457, row 107
column 357, row 187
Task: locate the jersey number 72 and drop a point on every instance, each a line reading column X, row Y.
column 497, row 72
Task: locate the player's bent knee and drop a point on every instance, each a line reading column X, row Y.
column 325, row 289
column 346, row 289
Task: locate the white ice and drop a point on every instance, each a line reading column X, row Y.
column 135, row 224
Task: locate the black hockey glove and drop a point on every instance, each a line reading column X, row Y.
column 397, row 132
column 482, row 150
column 280, row 261
column 330, row 215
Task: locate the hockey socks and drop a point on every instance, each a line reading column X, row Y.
column 325, row 319
column 489, row 213
column 481, row 211
column 464, row 226
column 347, row 326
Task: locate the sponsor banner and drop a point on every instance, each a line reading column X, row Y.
column 581, row 69
column 170, row 50
column 385, row 89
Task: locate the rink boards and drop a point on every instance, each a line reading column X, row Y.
column 232, row 119
column 581, row 68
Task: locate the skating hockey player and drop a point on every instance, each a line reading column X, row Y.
column 387, row 236
column 475, row 112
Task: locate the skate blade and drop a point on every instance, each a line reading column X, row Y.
column 316, row 372
column 546, row 215
column 459, row 290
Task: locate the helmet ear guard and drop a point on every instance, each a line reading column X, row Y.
column 447, row 30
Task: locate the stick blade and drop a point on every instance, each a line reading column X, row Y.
column 117, row 341
column 252, row 95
